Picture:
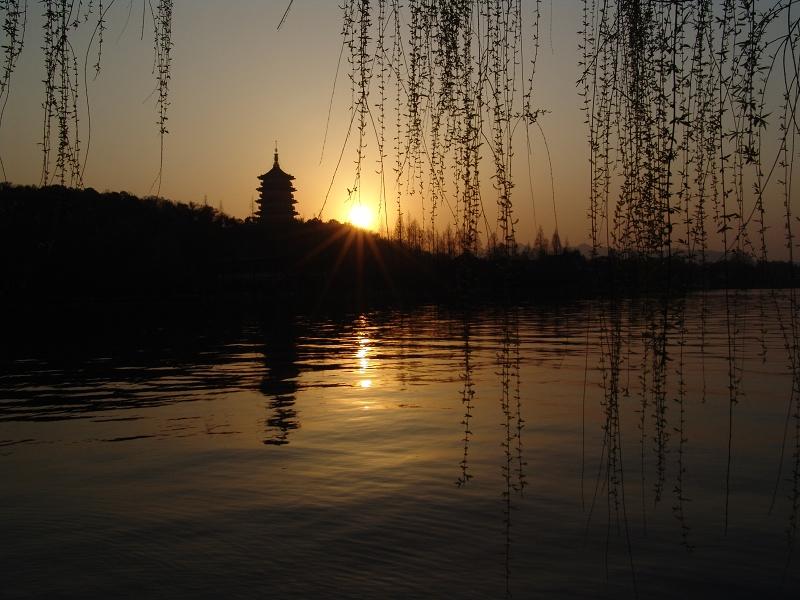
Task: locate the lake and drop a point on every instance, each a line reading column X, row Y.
column 639, row 448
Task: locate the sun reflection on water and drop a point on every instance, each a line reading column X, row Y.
column 364, row 350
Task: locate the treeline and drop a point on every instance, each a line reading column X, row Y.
column 446, row 241
column 58, row 242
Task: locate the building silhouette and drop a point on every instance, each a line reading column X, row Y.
column 276, row 196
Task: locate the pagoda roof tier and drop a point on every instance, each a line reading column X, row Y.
column 276, row 184
column 276, row 174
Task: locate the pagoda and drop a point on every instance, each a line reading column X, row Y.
column 276, row 200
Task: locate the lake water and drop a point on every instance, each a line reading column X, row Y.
column 583, row 450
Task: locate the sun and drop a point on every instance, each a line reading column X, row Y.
column 361, row 216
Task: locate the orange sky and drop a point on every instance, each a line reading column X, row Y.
column 238, row 85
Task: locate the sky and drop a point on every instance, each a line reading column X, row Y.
column 239, row 84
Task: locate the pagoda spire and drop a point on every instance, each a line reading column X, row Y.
column 275, row 164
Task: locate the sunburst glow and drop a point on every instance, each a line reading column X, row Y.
column 361, row 216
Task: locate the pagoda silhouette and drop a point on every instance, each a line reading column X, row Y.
column 276, row 196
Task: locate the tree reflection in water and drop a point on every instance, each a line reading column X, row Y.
column 645, row 362
column 659, row 338
column 467, row 398
column 680, row 499
column 789, row 321
column 611, row 471
column 508, row 361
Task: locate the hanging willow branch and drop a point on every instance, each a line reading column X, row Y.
column 677, row 99
column 683, row 99
column 14, row 16
column 64, row 21
column 162, row 49
column 455, row 67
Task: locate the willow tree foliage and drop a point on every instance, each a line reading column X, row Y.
column 14, row 17
column 690, row 107
column 67, row 73
column 454, row 75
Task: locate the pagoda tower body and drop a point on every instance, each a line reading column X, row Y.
column 276, row 200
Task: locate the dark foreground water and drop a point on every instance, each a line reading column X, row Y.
column 591, row 450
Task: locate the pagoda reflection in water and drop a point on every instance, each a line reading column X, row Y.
column 279, row 384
